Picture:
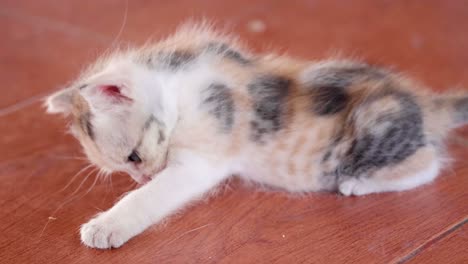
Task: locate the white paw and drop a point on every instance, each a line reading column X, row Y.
column 356, row 187
column 104, row 232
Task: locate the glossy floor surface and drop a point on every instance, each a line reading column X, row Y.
column 46, row 43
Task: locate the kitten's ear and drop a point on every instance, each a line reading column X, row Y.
column 114, row 93
column 112, row 87
column 60, row 102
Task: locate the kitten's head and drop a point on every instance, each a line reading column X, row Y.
column 118, row 118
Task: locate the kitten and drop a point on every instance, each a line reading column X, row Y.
column 184, row 114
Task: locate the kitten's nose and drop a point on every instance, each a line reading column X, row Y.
column 145, row 179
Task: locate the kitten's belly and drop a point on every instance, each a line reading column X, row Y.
column 291, row 159
column 293, row 173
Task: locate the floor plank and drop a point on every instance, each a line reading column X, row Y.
column 45, row 43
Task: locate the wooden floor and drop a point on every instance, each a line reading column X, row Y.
column 45, row 43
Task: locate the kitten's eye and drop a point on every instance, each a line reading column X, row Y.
column 134, row 157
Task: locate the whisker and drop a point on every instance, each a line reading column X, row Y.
column 111, row 184
column 70, row 158
column 81, row 184
column 133, row 185
column 67, row 201
column 74, row 177
column 99, row 209
column 121, row 29
column 92, row 185
column 186, row 233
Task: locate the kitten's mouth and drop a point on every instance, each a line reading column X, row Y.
column 145, row 178
column 141, row 179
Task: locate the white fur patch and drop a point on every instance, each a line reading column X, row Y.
column 355, row 186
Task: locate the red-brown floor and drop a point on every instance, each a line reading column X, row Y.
column 45, row 43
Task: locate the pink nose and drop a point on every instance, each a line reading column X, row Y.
column 145, row 179
column 141, row 179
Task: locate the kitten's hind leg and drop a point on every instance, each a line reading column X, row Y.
column 414, row 172
column 356, row 186
column 388, row 147
column 177, row 185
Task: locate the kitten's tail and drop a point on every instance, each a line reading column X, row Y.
column 451, row 109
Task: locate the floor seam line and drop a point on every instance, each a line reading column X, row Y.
column 433, row 240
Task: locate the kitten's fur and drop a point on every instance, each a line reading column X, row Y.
column 197, row 108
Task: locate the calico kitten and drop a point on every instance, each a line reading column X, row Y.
column 184, row 114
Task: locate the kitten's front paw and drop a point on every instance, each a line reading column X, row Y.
column 104, row 232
